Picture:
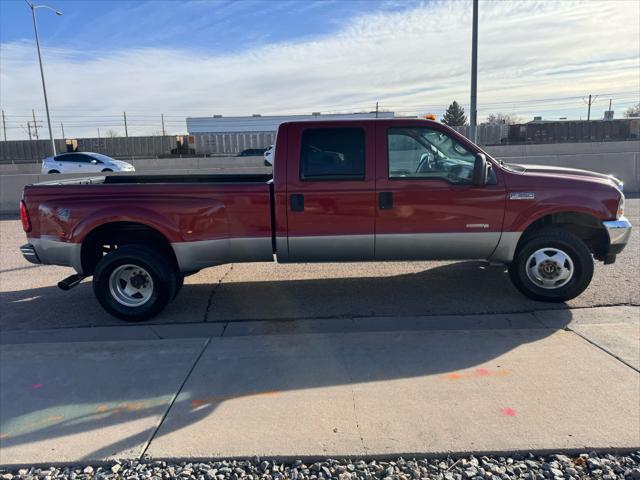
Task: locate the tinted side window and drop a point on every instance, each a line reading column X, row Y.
column 83, row 158
column 332, row 154
column 73, row 157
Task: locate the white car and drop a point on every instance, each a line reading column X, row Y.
column 81, row 162
column 269, row 155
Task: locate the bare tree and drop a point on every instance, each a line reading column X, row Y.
column 633, row 111
column 112, row 133
column 503, row 119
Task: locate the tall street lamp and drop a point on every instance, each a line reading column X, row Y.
column 44, row 88
column 473, row 116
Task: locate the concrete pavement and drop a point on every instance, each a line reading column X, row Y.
column 65, row 402
column 416, row 385
column 389, row 394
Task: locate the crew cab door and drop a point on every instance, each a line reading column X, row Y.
column 426, row 206
column 330, row 192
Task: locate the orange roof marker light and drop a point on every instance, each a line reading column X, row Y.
column 430, row 116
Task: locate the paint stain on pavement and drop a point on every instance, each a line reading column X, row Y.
column 508, row 411
column 199, row 402
column 477, row 373
column 123, row 407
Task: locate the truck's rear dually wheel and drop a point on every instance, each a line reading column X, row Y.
column 134, row 282
column 552, row 265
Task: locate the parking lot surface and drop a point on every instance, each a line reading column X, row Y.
column 30, row 299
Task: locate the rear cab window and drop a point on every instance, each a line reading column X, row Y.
column 332, row 154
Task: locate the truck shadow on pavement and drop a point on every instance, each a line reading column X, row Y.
column 111, row 397
column 455, row 288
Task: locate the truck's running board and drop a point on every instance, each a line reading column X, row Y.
column 70, row 282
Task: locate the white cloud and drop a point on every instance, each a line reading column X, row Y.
column 417, row 60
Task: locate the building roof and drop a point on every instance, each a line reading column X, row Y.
column 266, row 123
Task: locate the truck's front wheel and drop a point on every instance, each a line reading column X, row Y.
column 134, row 283
column 552, row 265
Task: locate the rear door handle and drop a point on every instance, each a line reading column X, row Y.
column 385, row 200
column 297, row 202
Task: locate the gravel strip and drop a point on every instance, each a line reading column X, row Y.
column 592, row 465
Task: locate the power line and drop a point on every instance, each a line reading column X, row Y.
column 363, row 106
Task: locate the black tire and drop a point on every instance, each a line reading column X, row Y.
column 107, row 170
column 558, row 239
column 162, row 274
column 53, row 171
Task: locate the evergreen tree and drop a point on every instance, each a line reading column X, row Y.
column 454, row 116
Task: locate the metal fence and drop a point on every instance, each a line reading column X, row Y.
column 575, row 131
column 486, row 134
column 21, row 151
column 230, row 143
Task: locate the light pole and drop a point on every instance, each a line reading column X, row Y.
column 44, row 88
column 473, row 120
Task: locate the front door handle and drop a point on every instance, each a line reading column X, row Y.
column 297, row 202
column 385, row 200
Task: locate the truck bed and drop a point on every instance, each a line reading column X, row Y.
column 207, row 219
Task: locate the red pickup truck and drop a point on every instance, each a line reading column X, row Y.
column 366, row 190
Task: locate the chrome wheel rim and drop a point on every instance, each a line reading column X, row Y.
column 131, row 285
column 549, row 268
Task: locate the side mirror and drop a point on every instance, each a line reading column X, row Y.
column 480, row 170
column 95, row 162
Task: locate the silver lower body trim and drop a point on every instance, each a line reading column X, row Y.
column 282, row 249
column 506, row 249
column 619, row 231
column 423, row 246
column 493, row 246
column 208, row 253
column 331, row 248
column 55, row 252
column 436, row 246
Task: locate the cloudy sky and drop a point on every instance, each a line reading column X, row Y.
column 193, row 58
